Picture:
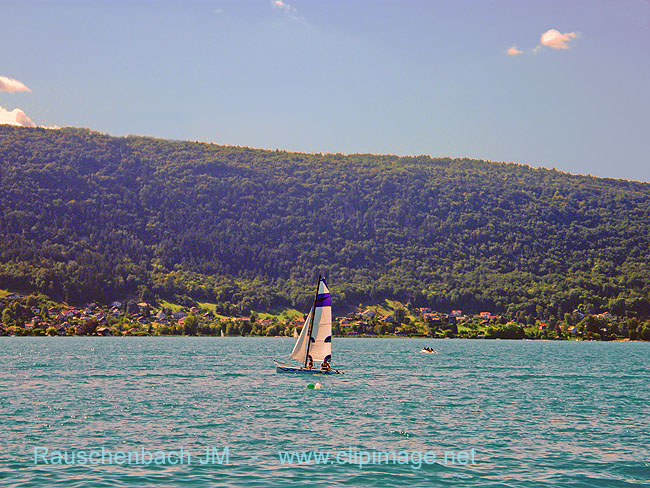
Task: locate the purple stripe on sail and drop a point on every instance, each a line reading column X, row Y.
column 324, row 300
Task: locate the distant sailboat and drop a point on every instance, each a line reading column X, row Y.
column 318, row 328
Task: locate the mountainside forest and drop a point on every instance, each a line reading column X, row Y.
column 89, row 217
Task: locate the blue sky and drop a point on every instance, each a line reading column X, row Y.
column 397, row 77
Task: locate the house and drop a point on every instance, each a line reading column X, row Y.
column 160, row 315
column 369, row 313
column 431, row 317
column 179, row 314
column 194, row 310
column 424, row 310
column 387, row 319
column 208, row 316
column 33, row 323
column 457, row 313
column 116, row 304
column 485, row 315
column 63, row 326
column 578, row 314
column 104, row 331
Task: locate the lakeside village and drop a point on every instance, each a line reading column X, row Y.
column 36, row 315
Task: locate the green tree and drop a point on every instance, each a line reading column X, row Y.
column 191, row 325
column 400, row 316
column 644, row 331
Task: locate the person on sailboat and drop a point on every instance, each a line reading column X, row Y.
column 310, row 364
column 325, row 366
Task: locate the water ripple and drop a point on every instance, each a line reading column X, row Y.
column 533, row 414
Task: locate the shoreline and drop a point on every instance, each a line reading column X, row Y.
column 336, row 337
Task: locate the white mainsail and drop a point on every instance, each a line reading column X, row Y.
column 320, row 346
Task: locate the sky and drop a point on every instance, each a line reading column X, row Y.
column 559, row 84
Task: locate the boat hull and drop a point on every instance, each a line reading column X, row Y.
column 286, row 368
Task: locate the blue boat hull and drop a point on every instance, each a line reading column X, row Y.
column 284, row 369
column 279, row 368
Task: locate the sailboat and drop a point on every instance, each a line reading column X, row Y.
column 318, row 328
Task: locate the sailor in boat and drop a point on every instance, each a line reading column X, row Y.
column 310, row 364
column 325, row 366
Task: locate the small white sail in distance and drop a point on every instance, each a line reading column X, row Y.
column 320, row 348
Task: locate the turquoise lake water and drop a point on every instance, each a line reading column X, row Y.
column 504, row 413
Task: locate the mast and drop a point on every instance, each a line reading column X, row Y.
column 311, row 322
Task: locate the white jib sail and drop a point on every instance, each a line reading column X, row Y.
column 298, row 352
column 320, row 348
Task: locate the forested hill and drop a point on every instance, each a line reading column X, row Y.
column 85, row 216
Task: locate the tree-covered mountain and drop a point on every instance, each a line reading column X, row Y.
column 85, row 216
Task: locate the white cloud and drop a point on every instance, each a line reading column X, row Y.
column 288, row 9
column 280, row 4
column 551, row 38
column 11, row 85
column 555, row 39
column 15, row 117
